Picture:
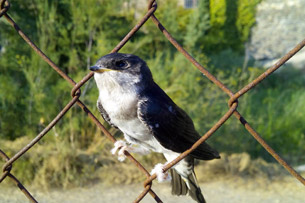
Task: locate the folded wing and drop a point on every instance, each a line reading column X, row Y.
column 170, row 125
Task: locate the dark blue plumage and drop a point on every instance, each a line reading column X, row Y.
column 175, row 129
column 130, row 100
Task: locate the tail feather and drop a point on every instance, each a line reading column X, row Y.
column 182, row 186
column 178, row 185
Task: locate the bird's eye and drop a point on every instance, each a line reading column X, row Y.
column 120, row 64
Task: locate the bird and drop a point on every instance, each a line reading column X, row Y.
column 130, row 100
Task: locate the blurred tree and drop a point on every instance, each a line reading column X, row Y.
column 230, row 24
column 74, row 34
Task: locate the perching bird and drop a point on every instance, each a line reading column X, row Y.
column 130, row 100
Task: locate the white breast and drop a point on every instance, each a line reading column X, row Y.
column 117, row 103
column 121, row 107
column 122, row 110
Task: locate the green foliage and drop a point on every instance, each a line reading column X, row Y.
column 74, row 34
column 273, row 109
column 280, row 115
column 246, row 17
column 230, row 24
column 197, row 26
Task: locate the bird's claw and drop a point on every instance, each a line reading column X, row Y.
column 121, row 154
column 161, row 175
column 121, row 146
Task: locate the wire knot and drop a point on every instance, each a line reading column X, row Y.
column 232, row 100
column 6, row 169
column 4, row 6
column 75, row 92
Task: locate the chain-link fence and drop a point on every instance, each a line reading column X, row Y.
column 76, row 92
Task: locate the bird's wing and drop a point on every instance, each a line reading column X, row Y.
column 104, row 113
column 170, row 125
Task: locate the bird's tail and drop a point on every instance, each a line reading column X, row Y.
column 183, row 186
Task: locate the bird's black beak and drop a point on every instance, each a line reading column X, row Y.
column 94, row 68
column 99, row 69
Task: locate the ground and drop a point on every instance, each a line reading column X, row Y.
column 230, row 189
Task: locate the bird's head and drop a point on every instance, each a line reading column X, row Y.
column 119, row 64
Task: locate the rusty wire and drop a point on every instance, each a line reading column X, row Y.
column 76, row 92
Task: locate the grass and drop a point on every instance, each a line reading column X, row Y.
column 45, row 166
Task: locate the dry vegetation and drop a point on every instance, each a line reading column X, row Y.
column 46, row 166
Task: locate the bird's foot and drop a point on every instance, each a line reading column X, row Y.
column 139, row 150
column 161, row 175
column 122, row 146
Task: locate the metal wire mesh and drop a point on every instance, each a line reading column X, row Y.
column 75, row 93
